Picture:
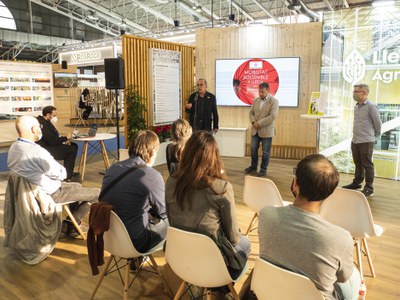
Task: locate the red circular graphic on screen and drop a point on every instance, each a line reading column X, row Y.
column 249, row 75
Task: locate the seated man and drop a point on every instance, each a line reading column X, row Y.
column 297, row 238
column 60, row 147
column 138, row 197
column 35, row 164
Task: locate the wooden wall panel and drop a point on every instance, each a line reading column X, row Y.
column 303, row 40
column 135, row 51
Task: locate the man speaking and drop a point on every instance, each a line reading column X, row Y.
column 202, row 109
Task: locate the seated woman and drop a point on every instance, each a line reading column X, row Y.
column 200, row 199
column 83, row 104
column 180, row 133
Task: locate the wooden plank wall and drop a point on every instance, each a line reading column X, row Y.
column 295, row 137
column 135, row 51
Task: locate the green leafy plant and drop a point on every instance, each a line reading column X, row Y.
column 136, row 108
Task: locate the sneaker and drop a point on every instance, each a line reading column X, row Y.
column 250, row 170
column 135, row 263
column 262, row 173
column 367, row 192
column 352, row 186
column 68, row 230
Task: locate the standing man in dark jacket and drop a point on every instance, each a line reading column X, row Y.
column 60, row 147
column 202, row 109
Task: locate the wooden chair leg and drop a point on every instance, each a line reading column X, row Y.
column 209, row 295
column 251, row 224
column 233, row 291
column 105, row 156
column 126, row 280
column 155, row 265
column 179, row 293
column 72, row 219
column 371, row 266
column 358, row 254
column 82, row 164
column 103, row 272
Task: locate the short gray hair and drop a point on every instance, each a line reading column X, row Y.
column 362, row 86
column 205, row 81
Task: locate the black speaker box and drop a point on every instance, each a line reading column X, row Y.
column 114, row 69
column 64, row 64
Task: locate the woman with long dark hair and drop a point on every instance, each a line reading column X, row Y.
column 200, row 199
column 83, row 104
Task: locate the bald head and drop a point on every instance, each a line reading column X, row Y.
column 317, row 177
column 28, row 128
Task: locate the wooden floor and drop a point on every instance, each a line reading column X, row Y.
column 66, row 274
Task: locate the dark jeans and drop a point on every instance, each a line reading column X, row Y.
column 157, row 232
column 243, row 247
column 86, row 113
column 266, row 151
column 362, row 157
column 67, row 153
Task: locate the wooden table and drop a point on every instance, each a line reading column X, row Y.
column 94, row 142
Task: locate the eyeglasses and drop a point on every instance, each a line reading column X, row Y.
column 294, row 170
column 200, row 84
column 358, row 92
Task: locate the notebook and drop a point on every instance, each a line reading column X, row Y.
column 91, row 132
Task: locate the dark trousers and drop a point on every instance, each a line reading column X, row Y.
column 266, row 151
column 362, row 157
column 67, row 153
column 86, row 113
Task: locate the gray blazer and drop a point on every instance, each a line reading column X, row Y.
column 265, row 116
column 209, row 214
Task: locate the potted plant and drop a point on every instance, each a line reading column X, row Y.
column 136, row 108
column 163, row 132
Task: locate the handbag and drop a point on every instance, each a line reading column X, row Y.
column 116, row 180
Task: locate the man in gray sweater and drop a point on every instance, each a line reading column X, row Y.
column 297, row 238
column 367, row 126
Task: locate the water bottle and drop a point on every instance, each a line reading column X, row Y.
column 363, row 291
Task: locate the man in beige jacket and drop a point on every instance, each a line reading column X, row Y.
column 262, row 117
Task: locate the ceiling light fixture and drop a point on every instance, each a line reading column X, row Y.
column 382, row 3
column 93, row 16
column 293, row 4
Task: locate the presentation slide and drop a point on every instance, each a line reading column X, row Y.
column 237, row 80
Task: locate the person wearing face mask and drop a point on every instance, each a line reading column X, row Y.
column 34, row 163
column 367, row 126
column 297, row 238
column 137, row 192
column 59, row 146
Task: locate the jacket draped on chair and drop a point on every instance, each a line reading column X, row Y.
column 32, row 221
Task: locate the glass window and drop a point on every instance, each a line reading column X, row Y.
column 6, row 18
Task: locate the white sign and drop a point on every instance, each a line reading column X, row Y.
column 354, row 66
column 86, row 57
column 25, row 88
column 165, row 88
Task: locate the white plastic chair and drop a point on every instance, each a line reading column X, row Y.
column 119, row 244
column 259, row 193
column 270, row 282
column 350, row 210
column 108, row 110
column 197, row 260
